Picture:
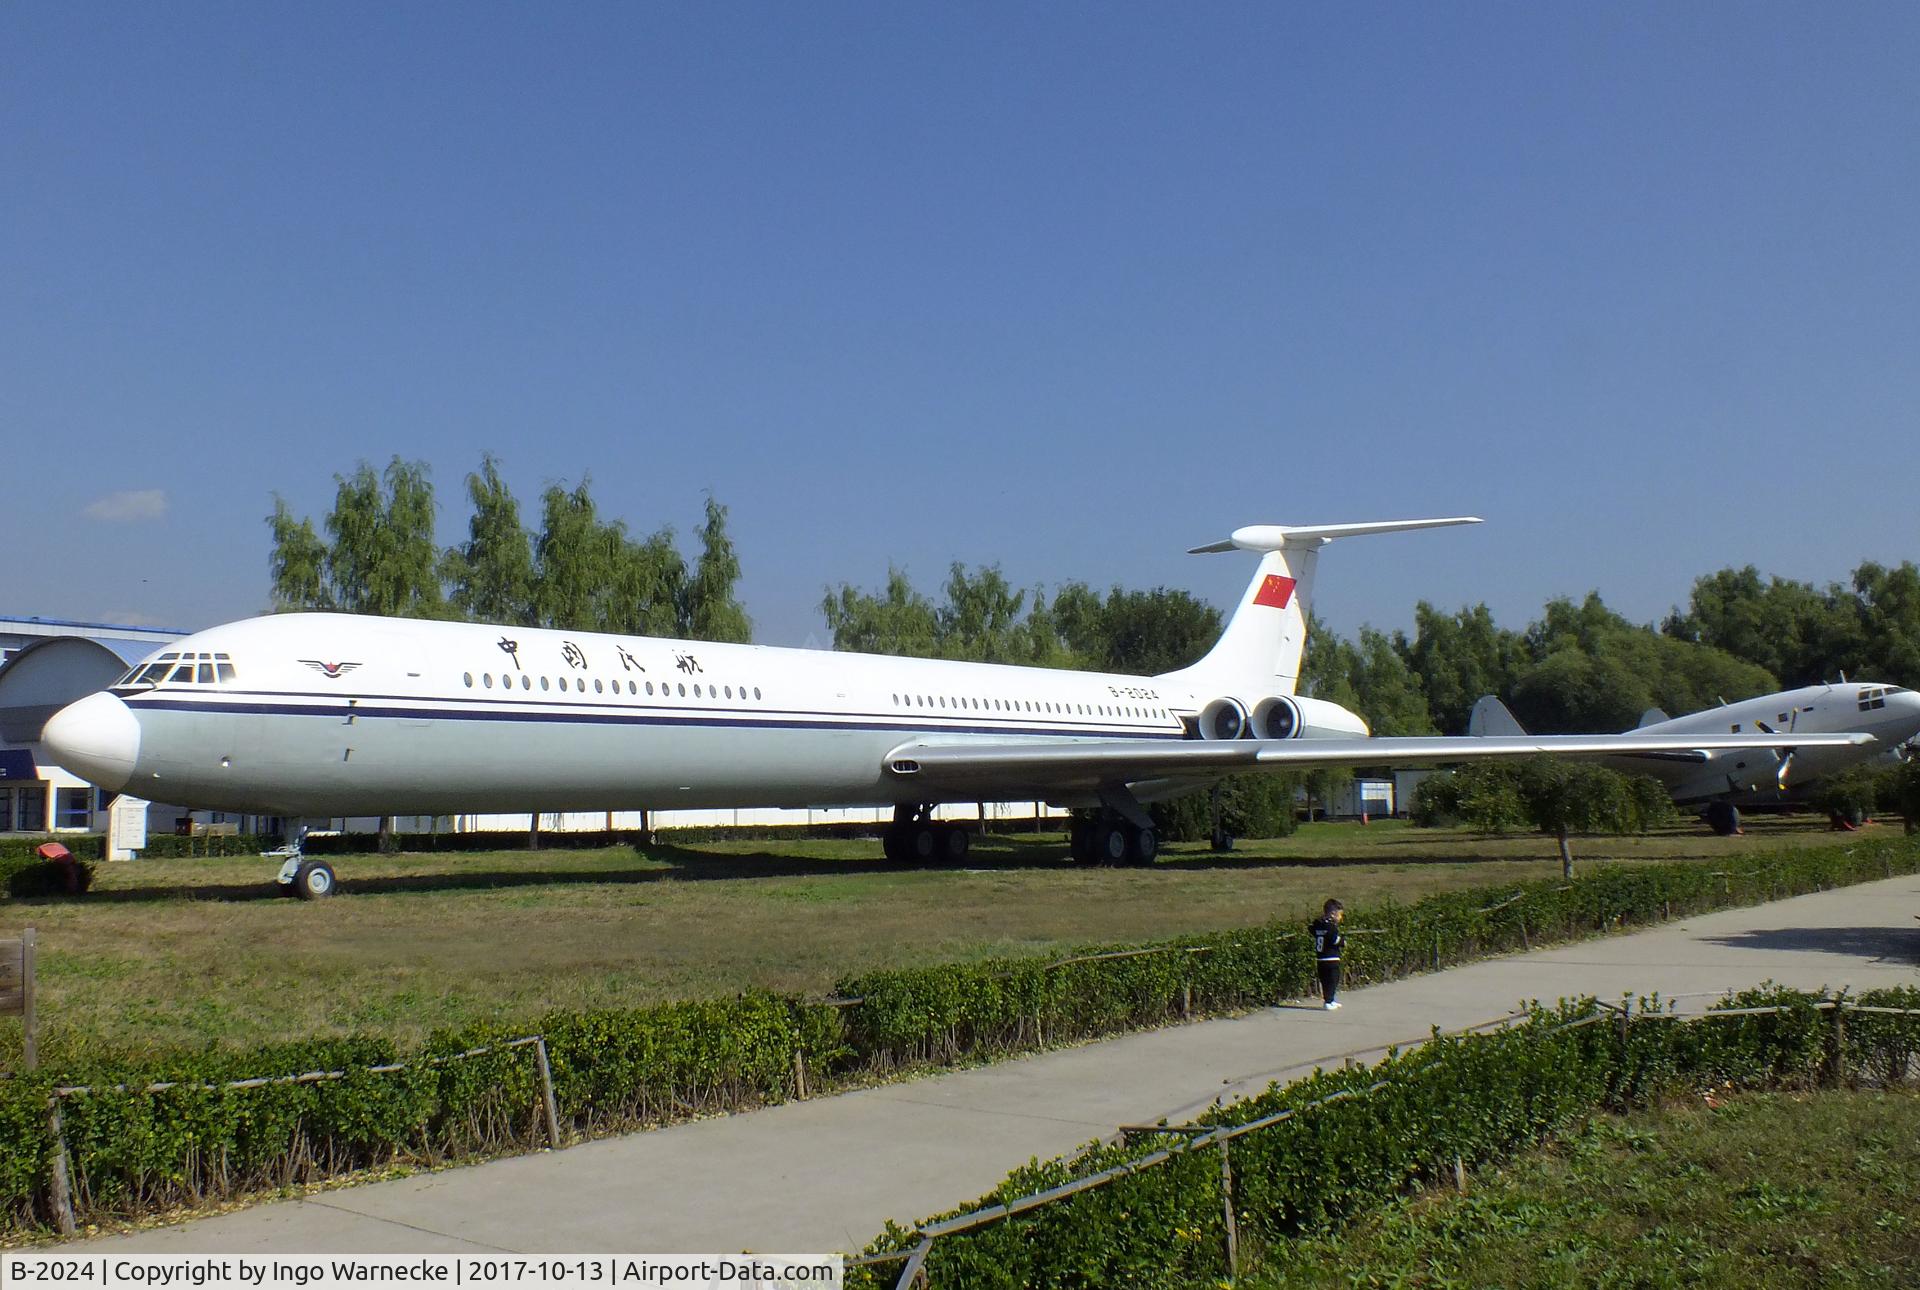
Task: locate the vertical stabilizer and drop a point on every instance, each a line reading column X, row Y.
column 1491, row 719
column 1260, row 650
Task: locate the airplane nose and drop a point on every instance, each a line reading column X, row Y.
column 97, row 738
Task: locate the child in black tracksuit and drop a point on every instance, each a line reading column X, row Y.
column 1326, row 948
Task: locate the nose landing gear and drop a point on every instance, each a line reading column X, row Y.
column 302, row 875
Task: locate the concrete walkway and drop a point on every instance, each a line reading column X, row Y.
column 826, row 1174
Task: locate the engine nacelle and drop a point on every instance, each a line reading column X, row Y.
column 1223, row 719
column 1277, row 717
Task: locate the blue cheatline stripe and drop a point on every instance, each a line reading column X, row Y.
column 734, row 719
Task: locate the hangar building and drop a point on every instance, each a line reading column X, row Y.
column 45, row 664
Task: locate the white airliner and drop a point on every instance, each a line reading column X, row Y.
column 316, row 715
column 1723, row 781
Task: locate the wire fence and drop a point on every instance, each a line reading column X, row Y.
column 60, row 1187
column 60, row 1180
column 1195, row 1138
column 851, row 1001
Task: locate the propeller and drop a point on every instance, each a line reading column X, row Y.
column 1785, row 767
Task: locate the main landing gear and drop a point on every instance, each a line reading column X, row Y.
column 1111, row 839
column 915, row 835
column 1723, row 818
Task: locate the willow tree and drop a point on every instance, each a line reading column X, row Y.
column 490, row 575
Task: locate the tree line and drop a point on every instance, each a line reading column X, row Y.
column 579, row 571
column 981, row 618
column 1580, row 666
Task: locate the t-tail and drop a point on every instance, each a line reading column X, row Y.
column 1267, row 634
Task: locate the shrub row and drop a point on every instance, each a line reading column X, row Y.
column 134, row 1152
column 1542, row 792
column 24, row 873
column 1471, row 1099
column 18, row 854
column 340, row 844
column 16, row 850
column 952, row 1011
column 172, row 846
column 1251, row 806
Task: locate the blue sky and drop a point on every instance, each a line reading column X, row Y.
column 1065, row 287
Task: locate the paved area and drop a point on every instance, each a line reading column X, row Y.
column 826, row 1174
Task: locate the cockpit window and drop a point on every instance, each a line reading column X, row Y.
column 182, row 669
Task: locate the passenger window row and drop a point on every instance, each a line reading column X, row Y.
column 667, row 689
column 1026, row 705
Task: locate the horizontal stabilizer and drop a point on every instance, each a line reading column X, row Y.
column 1280, row 537
column 1260, row 649
column 1490, row 717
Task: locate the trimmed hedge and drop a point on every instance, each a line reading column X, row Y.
column 18, row 853
column 341, row 844
column 134, row 1152
column 16, row 850
column 171, row 846
column 1251, row 806
column 1474, row 1099
column 950, row 1012
column 22, row 871
column 51, row 878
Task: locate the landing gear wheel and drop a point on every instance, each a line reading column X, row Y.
column 893, row 842
column 1723, row 818
column 923, row 843
column 313, row 880
column 1143, row 846
column 954, row 844
column 1080, row 841
column 1110, row 842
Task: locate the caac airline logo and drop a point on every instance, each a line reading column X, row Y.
column 1275, row 592
column 332, row 671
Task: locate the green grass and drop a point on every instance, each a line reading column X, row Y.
column 197, row 951
column 1775, row 1190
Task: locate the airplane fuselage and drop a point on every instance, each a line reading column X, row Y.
column 308, row 715
column 330, row 714
column 1890, row 713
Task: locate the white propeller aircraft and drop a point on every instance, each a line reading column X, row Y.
column 315, row 715
column 1721, row 781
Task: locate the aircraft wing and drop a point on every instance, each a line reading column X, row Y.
column 966, row 768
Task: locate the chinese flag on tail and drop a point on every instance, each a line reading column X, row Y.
column 1275, row 591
